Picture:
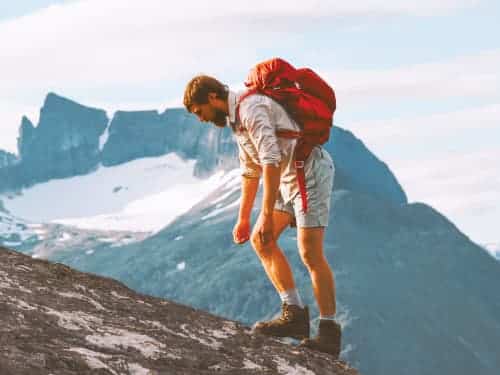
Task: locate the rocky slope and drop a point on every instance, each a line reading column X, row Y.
column 55, row 320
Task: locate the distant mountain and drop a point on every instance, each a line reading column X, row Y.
column 86, row 324
column 71, row 139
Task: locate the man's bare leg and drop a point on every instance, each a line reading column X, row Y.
column 294, row 319
column 272, row 257
column 310, row 243
column 328, row 340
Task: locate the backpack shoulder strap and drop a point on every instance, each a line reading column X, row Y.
column 245, row 95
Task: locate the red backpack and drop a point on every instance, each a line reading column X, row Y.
column 306, row 97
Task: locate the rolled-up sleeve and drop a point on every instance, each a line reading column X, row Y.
column 256, row 119
column 248, row 167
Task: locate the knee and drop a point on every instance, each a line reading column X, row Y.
column 312, row 258
column 261, row 249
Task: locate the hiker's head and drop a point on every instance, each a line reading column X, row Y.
column 206, row 97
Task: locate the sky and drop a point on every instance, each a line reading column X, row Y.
column 417, row 82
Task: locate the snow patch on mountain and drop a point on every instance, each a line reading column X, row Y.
column 104, row 137
column 218, row 210
column 181, row 266
column 143, row 195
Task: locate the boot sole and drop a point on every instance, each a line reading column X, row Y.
column 297, row 336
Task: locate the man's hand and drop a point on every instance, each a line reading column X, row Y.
column 265, row 228
column 241, row 231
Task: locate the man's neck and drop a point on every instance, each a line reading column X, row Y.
column 225, row 106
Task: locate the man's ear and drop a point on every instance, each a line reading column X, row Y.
column 212, row 96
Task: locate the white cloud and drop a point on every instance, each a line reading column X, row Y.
column 475, row 76
column 464, row 187
column 94, row 42
column 412, row 129
column 464, row 175
column 450, row 161
column 457, row 182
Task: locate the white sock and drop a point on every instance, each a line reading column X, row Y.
column 291, row 297
column 327, row 317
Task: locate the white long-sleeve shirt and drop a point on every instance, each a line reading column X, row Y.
column 258, row 145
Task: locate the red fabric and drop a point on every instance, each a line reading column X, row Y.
column 307, row 98
column 288, row 133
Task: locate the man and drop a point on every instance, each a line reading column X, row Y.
column 263, row 154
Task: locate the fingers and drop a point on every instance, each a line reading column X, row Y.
column 242, row 240
column 239, row 239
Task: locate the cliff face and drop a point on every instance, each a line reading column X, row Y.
column 139, row 134
column 8, row 166
column 7, row 159
column 26, row 137
column 55, row 320
column 65, row 142
column 144, row 127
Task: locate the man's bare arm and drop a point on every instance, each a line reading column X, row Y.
column 271, row 184
column 249, row 188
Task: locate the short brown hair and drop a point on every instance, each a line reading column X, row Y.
column 199, row 87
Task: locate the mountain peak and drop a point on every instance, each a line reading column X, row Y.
column 55, row 102
column 86, row 323
column 52, row 98
column 26, row 122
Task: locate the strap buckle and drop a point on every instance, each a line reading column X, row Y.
column 299, row 164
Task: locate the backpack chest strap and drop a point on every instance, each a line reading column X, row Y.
column 290, row 134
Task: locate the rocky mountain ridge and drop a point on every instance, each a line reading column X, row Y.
column 56, row 320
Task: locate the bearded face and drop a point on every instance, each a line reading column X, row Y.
column 219, row 118
column 208, row 113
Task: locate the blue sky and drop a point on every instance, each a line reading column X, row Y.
column 12, row 9
column 417, row 82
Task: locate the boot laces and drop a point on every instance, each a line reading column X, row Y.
column 287, row 315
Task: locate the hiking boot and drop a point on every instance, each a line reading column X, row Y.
column 293, row 322
column 327, row 340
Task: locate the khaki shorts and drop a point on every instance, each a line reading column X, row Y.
column 319, row 184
